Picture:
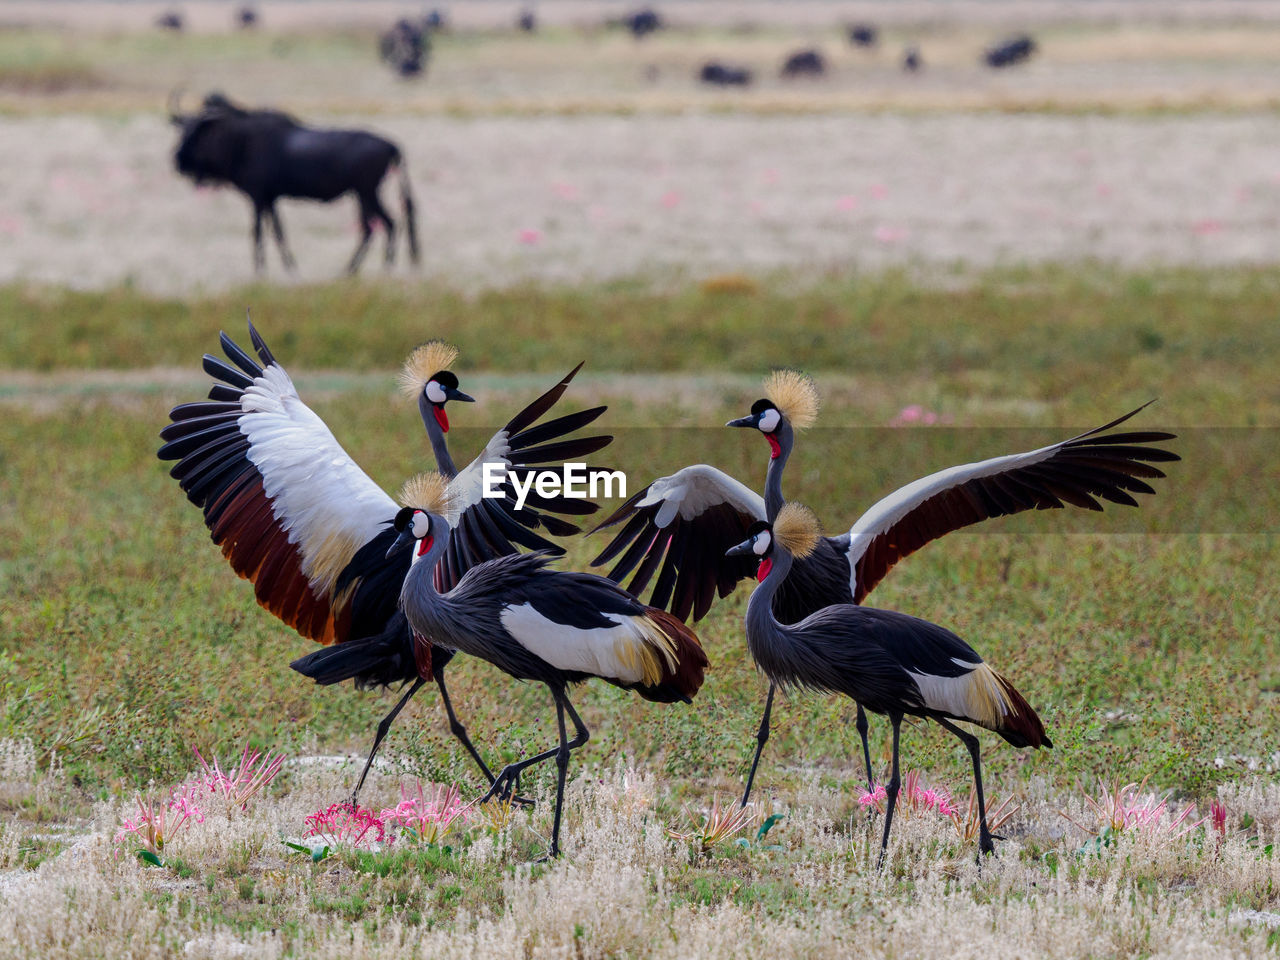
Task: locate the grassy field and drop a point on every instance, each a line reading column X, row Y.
column 870, row 229
column 1145, row 639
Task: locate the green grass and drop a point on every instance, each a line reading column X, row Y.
column 1052, row 334
column 1145, row 637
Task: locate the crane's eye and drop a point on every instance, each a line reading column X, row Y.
column 760, row 543
column 769, row 420
column 435, row 393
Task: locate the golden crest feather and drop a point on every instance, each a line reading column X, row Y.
column 428, row 359
column 795, row 395
column 797, row 529
column 426, row 491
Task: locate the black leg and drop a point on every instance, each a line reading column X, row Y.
column 562, row 758
column 383, row 727
column 861, row 724
column 259, row 254
column 455, row 725
column 379, row 212
column 985, row 837
column 286, row 256
column 762, row 737
column 365, row 234
column 891, row 788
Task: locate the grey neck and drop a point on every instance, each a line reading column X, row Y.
column 439, row 446
column 773, row 499
column 761, row 623
column 420, row 585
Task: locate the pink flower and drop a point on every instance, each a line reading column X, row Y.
column 237, row 786
column 342, row 825
column 671, row 199
column 879, row 191
column 565, row 191
column 847, row 202
column 869, row 799
column 771, row 175
column 530, row 236
column 1218, row 818
column 1104, row 189
column 429, row 813
column 914, row 414
column 1207, row 227
column 887, row 234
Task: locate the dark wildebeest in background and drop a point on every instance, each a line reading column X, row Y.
column 1011, row 51
column 266, row 155
column 863, row 35
column 172, row 20
column 405, row 47
column 641, row 23
column 527, row 21
column 911, row 61
column 436, row 21
column 722, row 75
column 804, row 63
column 246, row 18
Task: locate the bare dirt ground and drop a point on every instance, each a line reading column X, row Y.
column 1141, row 133
column 91, row 202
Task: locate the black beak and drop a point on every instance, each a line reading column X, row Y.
column 742, row 422
column 454, row 394
column 403, row 541
column 741, row 550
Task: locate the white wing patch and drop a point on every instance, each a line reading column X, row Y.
column 891, row 509
column 629, row 652
column 976, row 695
column 694, row 489
column 467, row 488
column 328, row 506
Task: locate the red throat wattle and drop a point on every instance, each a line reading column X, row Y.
column 765, row 566
column 442, row 418
column 774, row 446
column 424, row 545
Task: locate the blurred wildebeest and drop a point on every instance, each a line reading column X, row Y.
column 437, row 21
column 863, row 35
column 804, row 63
column 1008, row 52
column 405, row 48
column 721, row 75
column 267, row 154
column 911, row 61
column 641, row 23
column 170, row 21
column 246, row 18
column 527, row 21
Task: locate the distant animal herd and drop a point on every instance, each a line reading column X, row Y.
column 268, row 155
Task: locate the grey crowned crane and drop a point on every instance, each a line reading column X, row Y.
column 296, row 516
column 890, row 663
column 679, row 526
column 549, row 626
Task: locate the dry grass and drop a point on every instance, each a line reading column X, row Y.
column 627, row 889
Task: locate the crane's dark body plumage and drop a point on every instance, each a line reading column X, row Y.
column 889, row 663
column 253, row 457
column 681, row 524
column 553, row 627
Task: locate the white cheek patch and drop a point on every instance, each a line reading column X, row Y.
column 769, row 420
column 421, row 525
column 435, row 392
column 761, row 546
